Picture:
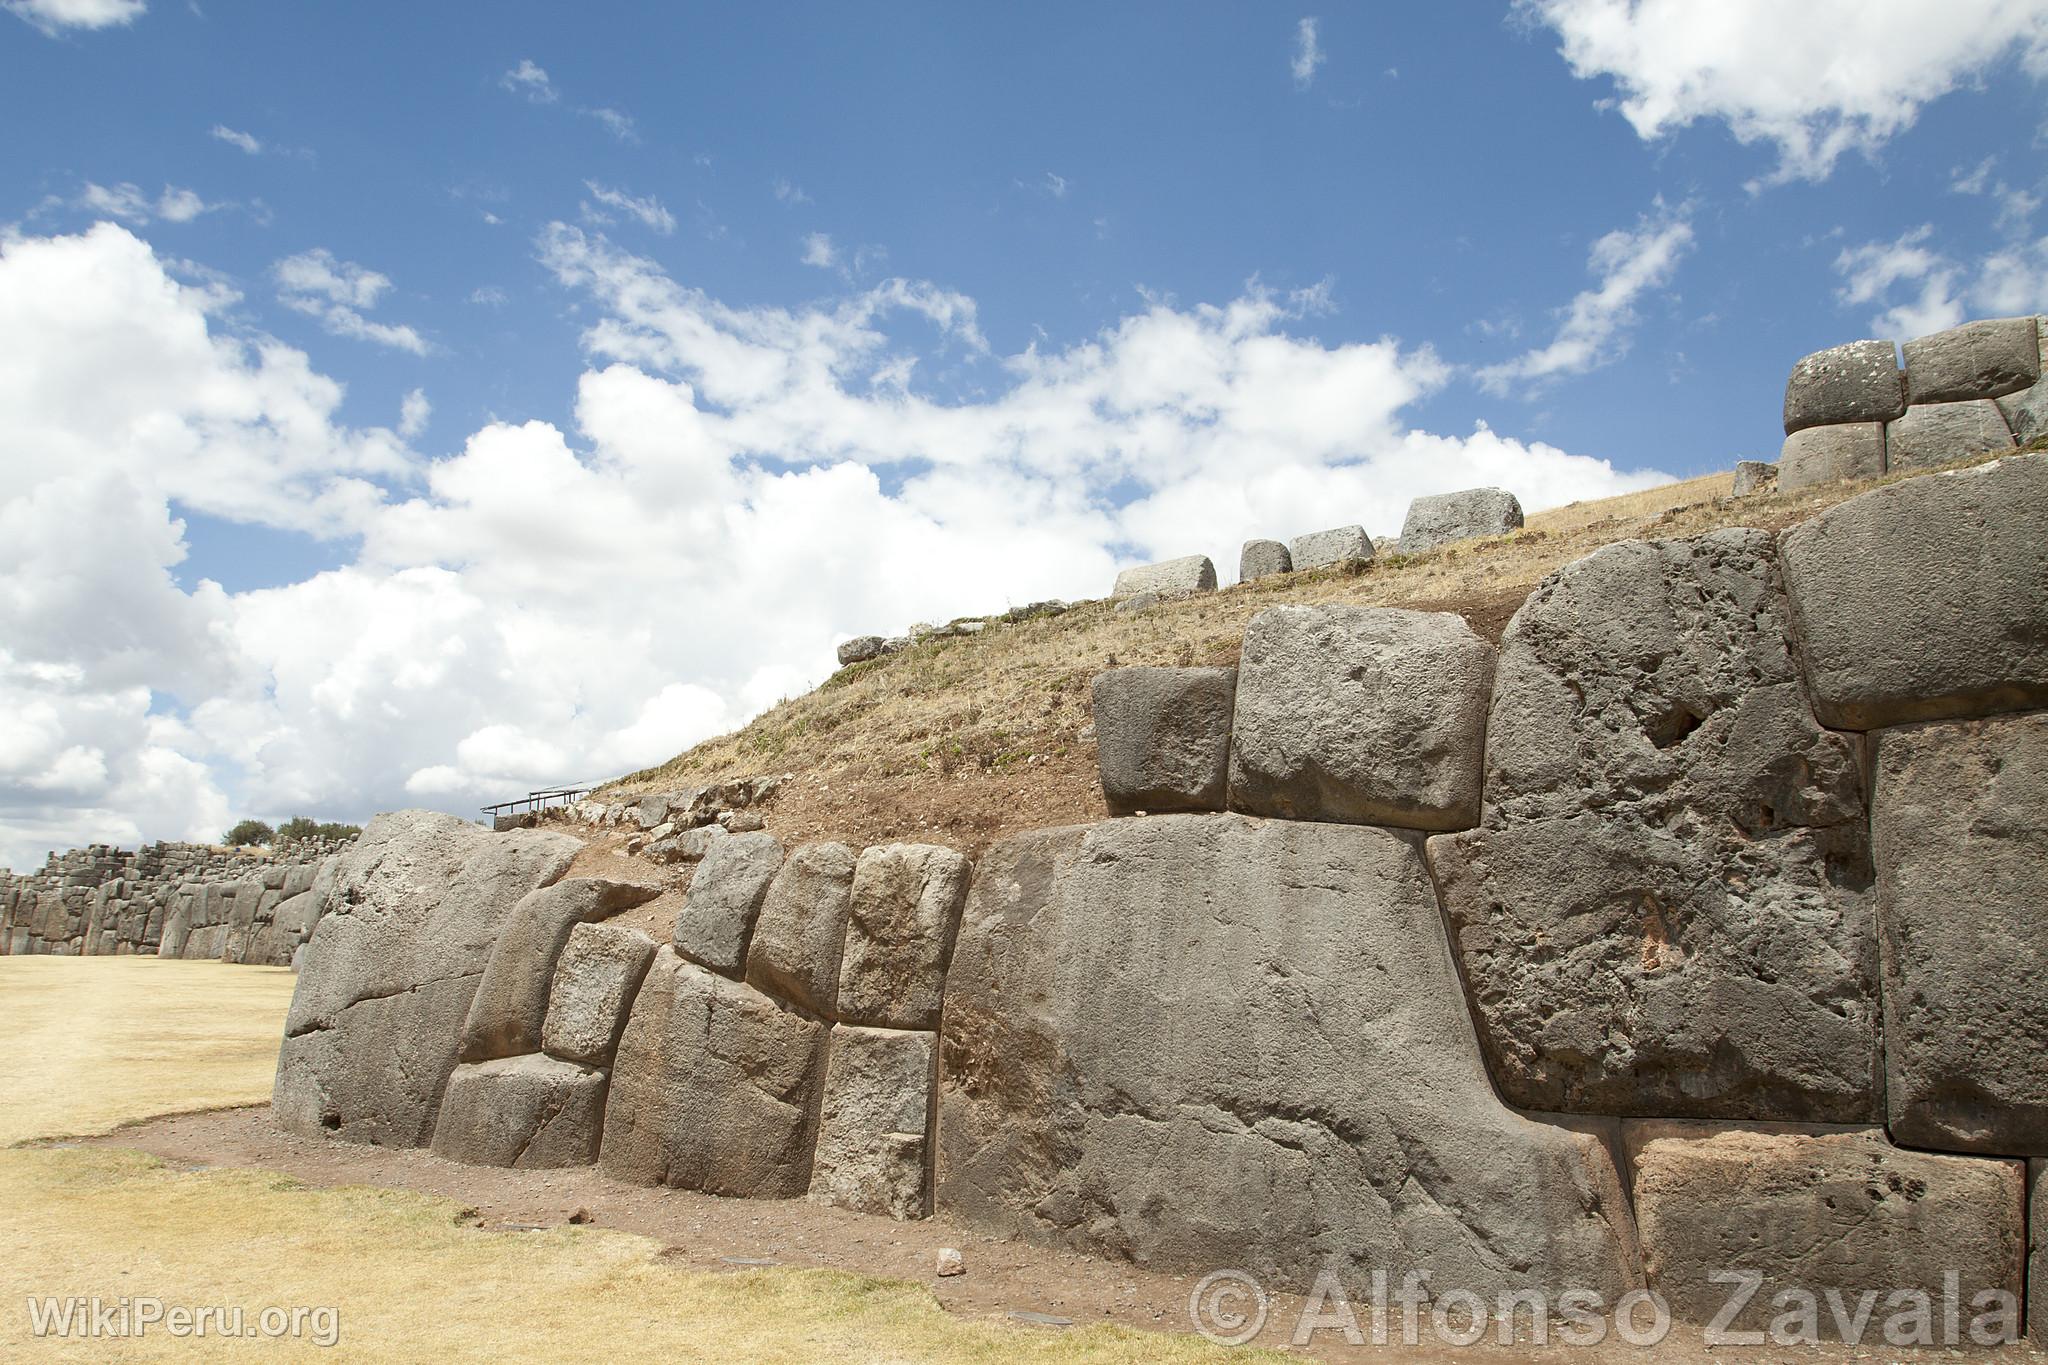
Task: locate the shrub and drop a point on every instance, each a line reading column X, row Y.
column 249, row 832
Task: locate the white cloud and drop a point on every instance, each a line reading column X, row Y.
column 413, row 413
column 1920, row 289
column 248, row 142
column 1056, row 185
column 620, row 125
column 783, row 471
column 129, row 204
column 530, row 80
column 1594, row 329
column 788, row 193
column 489, row 296
column 1308, row 53
column 819, row 251
column 1816, row 79
column 54, row 16
column 338, row 292
column 646, row 208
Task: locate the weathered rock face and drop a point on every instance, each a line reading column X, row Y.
column 1960, row 830
column 1364, row 715
column 375, row 1023
column 1818, row 455
column 530, row 1112
column 714, row 1088
column 1819, row 1211
column 1933, row 434
column 2026, row 412
column 899, row 932
column 1858, row 382
column 599, row 973
column 1204, row 1039
column 1190, row 573
column 861, row 648
column 1343, row 545
column 1976, row 360
column 872, row 1122
column 1665, row 912
column 1754, row 476
column 1926, row 599
column 1441, row 518
column 2037, row 1263
column 802, row 928
column 1263, row 559
column 1162, row 737
column 717, row 917
column 512, row 1000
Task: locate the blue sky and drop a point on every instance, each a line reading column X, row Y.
column 482, row 396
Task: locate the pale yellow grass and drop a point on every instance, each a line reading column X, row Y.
column 97, row 1040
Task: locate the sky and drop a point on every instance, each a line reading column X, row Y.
column 411, row 405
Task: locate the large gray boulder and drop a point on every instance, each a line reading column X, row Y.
column 1262, row 559
column 873, row 1120
column 1754, row 476
column 717, row 917
column 1190, row 573
column 1201, row 1040
column 1162, row 737
column 1983, row 359
column 1665, row 911
column 1813, row 456
column 1932, row 434
column 2026, row 412
column 376, row 1020
column 1926, row 599
column 531, row 1112
column 1959, row 821
column 861, row 648
column 1319, row 549
column 714, row 1088
column 1845, row 1212
column 1364, row 715
column 2037, row 1261
column 599, row 973
column 1441, row 518
column 801, row 932
column 511, row 1002
column 899, row 931
column 1856, row 382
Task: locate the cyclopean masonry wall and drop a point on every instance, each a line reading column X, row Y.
column 170, row 900
column 1696, row 928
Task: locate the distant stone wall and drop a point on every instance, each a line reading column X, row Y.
column 169, row 900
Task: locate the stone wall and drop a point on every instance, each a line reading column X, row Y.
column 1696, row 928
column 170, row 900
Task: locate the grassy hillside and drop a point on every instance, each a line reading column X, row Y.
column 963, row 741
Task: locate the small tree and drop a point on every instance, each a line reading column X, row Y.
column 334, row 831
column 297, row 828
column 250, row 832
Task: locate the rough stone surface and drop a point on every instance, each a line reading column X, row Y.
column 1342, row 545
column 530, row 1112
column 599, row 973
column 1440, row 518
column 873, row 1122
column 1857, row 382
column 1190, row 573
column 512, row 1000
column 717, row 917
column 861, row 648
column 899, row 931
column 377, row 1017
column 1843, row 1211
column 1365, row 715
column 2037, row 1260
column 1959, row 822
column 1754, row 476
column 714, row 1088
column 1666, row 911
column 2026, row 412
column 1818, row 455
column 1926, row 599
column 1933, row 434
column 802, row 928
column 1201, row 1040
column 1162, row 737
column 1984, row 359
column 1263, row 559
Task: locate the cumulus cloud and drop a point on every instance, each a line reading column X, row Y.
column 55, row 16
column 1593, row 331
column 788, row 473
column 1814, row 79
column 646, row 209
column 819, row 251
column 1920, row 289
column 413, row 413
column 338, row 293
column 131, row 205
column 1308, row 53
